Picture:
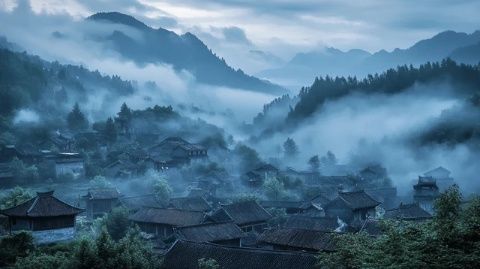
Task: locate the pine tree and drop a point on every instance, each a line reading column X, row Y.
column 314, row 163
column 124, row 118
column 76, row 119
column 110, row 131
column 290, row 148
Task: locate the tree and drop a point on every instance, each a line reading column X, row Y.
column 124, row 118
column 110, row 131
column 76, row 120
column 274, row 189
column 15, row 246
column 99, row 182
column 209, row 263
column 314, row 163
column 23, row 172
column 161, row 188
column 117, row 223
column 290, row 148
column 14, row 197
column 328, row 160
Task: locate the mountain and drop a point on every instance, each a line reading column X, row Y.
column 288, row 113
column 183, row 52
column 304, row 66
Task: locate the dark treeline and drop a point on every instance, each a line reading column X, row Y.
column 392, row 81
column 28, row 81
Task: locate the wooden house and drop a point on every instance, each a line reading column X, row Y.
column 256, row 177
column 408, row 212
column 425, row 193
column 161, row 221
column 176, row 151
column 219, row 233
column 190, row 204
column 290, row 207
column 48, row 218
column 442, row 177
column 185, row 255
column 297, row 240
column 100, row 201
column 69, row 163
column 324, row 224
column 135, row 203
column 248, row 215
column 352, row 206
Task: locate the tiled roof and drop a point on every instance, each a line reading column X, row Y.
column 102, row 193
column 44, row 205
column 358, row 199
column 172, row 217
column 299, row 238
column 407, row 212
column 190, row 203
column 185, row 255
column 210, row 232
column 242, row 213
column 315, row 224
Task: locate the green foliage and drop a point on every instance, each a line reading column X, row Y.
column 14, row 197
column 248, row 157
column 314, row 163
column 76, row 120
column 117, row 223
column 23, row 172
column 42, row 261
column 391, row 81
column 124, row 118
column 450, row 240
column 204, row 263
column 110, row 131
column 161, row 188
column 99, row 182
column 274, row 189
column 290, row 148
column 15, row 246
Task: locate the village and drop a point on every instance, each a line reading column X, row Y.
column 232, row 219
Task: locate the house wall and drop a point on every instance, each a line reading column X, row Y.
column 75, row 168
column 256, row 227
column 97, row 208
column 232, row 242
column 338, row 209
column 49, row 223
column 52, row 236
column 160, row 230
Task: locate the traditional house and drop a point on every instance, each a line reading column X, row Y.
column 100, row 201
column 304, row 176
column 408, row 212
column 59, row 142
column 324, row 224
column 9, row 152
column 69, row 163
column 425, row 193
column 135, row 203
column 386, row 196
column 290, row 207
column 352, row 206
column 442, row 177
column 185, row 255
column 257, row 176
column 248, row 215
column 315, row 207
column 6, row 175
column 48, row 218
column 175, row 150
column 161, row 222
column 121, row 169
column 190, row 204
column 297, row 240
column 219, row 233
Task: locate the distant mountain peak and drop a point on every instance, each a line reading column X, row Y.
column 117, row 17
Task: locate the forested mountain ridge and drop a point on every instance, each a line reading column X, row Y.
column 462, row 81
column 459, row 46
column 183, row 52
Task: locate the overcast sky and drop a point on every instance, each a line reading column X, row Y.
column 282, row 27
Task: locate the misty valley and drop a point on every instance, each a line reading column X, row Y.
column 143, row 139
